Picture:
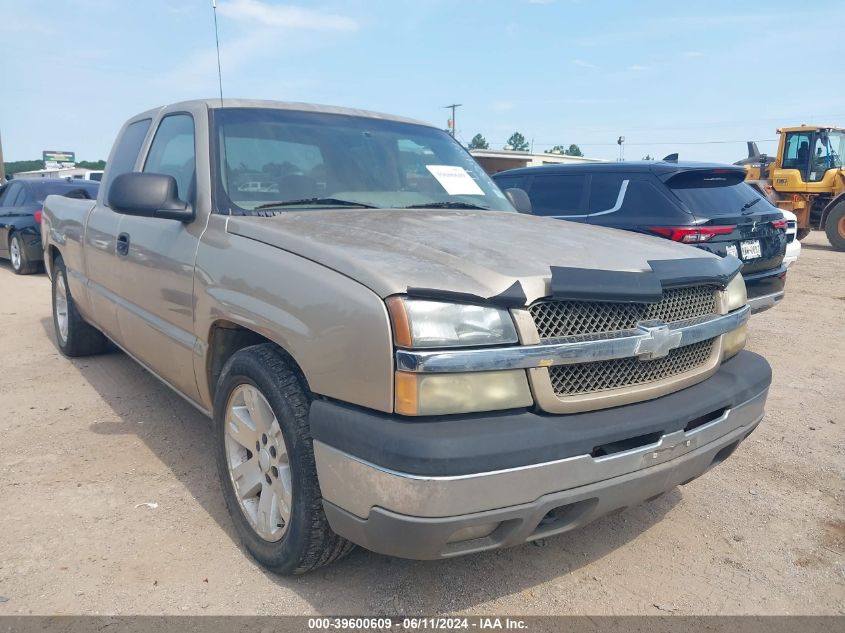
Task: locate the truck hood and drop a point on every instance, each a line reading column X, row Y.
column 475, row 252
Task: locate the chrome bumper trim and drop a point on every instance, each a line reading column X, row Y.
column 760, row 304
column 357, row 486
column 649, row 340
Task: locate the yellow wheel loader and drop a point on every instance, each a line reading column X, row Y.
column 807, row 177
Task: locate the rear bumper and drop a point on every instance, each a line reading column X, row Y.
column 761, row 304
column 765, row 288
column 423, row 515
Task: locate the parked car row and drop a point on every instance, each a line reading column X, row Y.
column 393, row 356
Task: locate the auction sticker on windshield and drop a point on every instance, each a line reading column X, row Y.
column 751, row 249
column 455, row 180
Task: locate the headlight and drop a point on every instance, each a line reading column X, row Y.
column 439, row 394
column 735, row 296
column 420, row 323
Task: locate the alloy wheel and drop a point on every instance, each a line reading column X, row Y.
column 257, row 459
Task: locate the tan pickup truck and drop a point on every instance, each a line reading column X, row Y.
column 394, row 356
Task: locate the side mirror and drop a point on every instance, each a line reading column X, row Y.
column 148, row 195
column 519, row 199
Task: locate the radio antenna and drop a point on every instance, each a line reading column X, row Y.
column 217, row 44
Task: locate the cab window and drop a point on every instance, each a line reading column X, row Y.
column 172, row 153
column 797, row 152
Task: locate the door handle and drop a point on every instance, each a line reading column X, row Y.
column 122, row 246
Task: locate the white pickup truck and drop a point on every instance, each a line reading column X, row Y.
column 394, row 356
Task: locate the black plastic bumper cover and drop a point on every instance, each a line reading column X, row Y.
column 465, row 444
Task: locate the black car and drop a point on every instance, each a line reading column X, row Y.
column 702, row 204
column 20, row 216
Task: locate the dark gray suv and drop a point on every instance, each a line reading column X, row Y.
column 702, row 204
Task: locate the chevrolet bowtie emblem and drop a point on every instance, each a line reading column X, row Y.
column 657, row 340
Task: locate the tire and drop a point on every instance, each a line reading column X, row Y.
column 21, row 263
column 263, row 440
column 802, row 233
column 74, row 335
column 834, row 226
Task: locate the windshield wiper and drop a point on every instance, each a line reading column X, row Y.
column 749, row 204
column 446, row 205
column 331, row 202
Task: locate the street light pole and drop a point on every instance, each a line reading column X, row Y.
column 453, row 126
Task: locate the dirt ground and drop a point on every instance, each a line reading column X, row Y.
column 84, row 443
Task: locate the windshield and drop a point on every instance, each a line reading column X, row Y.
column 307, row 160
column 711, row 194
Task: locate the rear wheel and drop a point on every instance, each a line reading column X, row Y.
column 802, row 233
column 75, row 336
column 834, row 226
column 21, row 263
column 266, row 463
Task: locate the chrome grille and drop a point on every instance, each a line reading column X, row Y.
column 587, row 378
column 555, row 319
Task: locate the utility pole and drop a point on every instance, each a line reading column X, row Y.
column 452, row 125
column 621, row 142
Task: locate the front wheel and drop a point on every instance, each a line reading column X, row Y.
column 834, row 226
column 802, row 233
column 265, row 461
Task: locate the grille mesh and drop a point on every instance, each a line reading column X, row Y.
column 587, row 378
column 555, row 319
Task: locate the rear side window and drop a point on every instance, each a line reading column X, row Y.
column 15, row 195
column 557, row 195
column 510, row 182
column 127, row 151
column 604, row 191
column 645, row 201
column 709, row 194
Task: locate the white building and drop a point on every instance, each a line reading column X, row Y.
column 493, row 161
column 62, row 172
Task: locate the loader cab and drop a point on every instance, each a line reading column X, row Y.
column 807, row 155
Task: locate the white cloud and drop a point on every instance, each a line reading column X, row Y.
column 639, row 68
column 582, row 64
column 285, row 16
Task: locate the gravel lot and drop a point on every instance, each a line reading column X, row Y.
column 84, row 442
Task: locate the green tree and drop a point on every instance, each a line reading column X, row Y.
column 91, row 164
column 478, row 142
column 15, row 166
column 557, row 149
column 518, row 143
column 648, row 157
column 574, row 150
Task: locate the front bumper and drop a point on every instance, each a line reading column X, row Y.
column 522, row 476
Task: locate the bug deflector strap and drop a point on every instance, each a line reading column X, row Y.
column 584, row 284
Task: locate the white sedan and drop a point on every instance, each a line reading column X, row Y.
column 793, row 246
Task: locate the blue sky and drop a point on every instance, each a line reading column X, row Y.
column 669, row 76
